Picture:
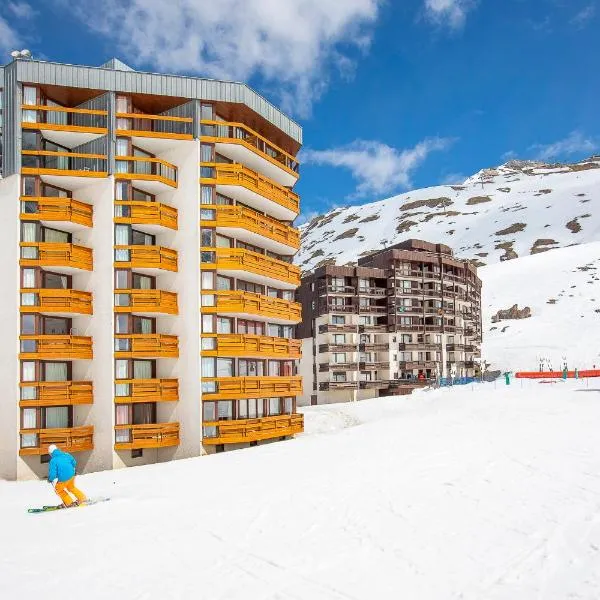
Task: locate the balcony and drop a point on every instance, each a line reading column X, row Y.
column 420, row 346
column 52, row 254
column 252, row 266
column 154, row 126
column 244, row 145
column 57, row 210
column 337, row 348
column 325, row 386
column 341, row 308
column 253, row 189
column 153, row 175
column 252, row 430
column 338, row 290
column 230, row 388
column 373, row 308
column 247, row 304
column 409, row 366
column 247, row 225
column 56, row 393
column 129, row 391
column 63, row 125
column 373, row 328
column 374, row 384
column 56, row 347
column 372, row 291
column 159, row 435
column 328, row 328
column 146, row 257
column 373, row 366
column 347, row 366
column 146, row 302
column 146, row 345
column 72, row 166
column 374, row 347
column 56, row 301
column 69, row 439
column 145, row 213
column 237, row 344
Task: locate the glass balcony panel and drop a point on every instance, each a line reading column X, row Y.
column 122, row 299
column 122, row 389
column 29, row 299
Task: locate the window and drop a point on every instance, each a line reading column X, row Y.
column 224, row 325
column 274, row 407
column 288, row 406
column 224, row 367
column 225, row 410
column 338, row 320
column 142, row 282
column 208, row 324
column 209, row 411
column 339, row 338
column 250, row 327
column 144, row 413
column 248, row 286
column 224, row 242
column 339, row 357
column 406, row 338
column 207, row 237
column 208, row 367
column 207, row 153
column 340, row 376
column 28, row 324
column 208, row 280
column 250, row 368
column 224, row 283
column 207, row 194
column 242, row 412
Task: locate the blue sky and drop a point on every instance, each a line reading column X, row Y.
column 392, row 94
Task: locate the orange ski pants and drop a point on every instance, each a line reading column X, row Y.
column 65, row 488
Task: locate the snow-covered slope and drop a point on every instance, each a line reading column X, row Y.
column 481, row 493
column 517, row 209
column 562, row 288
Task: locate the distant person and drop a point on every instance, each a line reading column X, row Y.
column 61, row 474
column 421, row 377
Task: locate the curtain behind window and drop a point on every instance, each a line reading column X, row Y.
column 142, row 369
column 55, row 372
column 57, row 417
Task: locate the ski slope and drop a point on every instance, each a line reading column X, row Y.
column 562, row 288
column 487, row 492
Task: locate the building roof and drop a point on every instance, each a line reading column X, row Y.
column 115, row 75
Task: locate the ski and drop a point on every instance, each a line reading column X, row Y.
column 53, row 508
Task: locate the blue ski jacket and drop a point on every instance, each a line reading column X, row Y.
column 62, row 466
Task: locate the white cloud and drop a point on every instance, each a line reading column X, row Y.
column 582, row 18
column 377, row 167
column 9, row 38
column 290, row 45
column 449, row 13
column 454, row 178
column 22, row 10
column 574, row 143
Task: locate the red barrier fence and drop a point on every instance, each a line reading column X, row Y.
column 556, row 374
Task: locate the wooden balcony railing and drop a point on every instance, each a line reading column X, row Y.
column 250, row 430
column 40, row 208
column 238, row 259
column 238, row 133
column 146, row 168
column 69, row 439
column 64, row 118
column 346, row 366
column 237, row 174
column 238, row 344
column 161, row 126
column 134, row 212
column 248, row 303
column 128, row 391
column 150, row 301
column 73, row 164
column 55, row 347
column 146, row 345
column 240, row 217
column 56, row 393
column 159, row 435
column 146, row 257
column 56, row 300
column 227, row 388
column 56, row 254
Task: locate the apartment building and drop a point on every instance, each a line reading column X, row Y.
column 147, row 238
column 402, row 318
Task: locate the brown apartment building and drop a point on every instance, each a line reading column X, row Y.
column 401, row 318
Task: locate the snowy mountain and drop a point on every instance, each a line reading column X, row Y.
column 485, row 492
column 514, row 210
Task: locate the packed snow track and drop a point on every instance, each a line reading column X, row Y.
column 485, row 492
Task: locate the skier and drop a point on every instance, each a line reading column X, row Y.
column 61, row 474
